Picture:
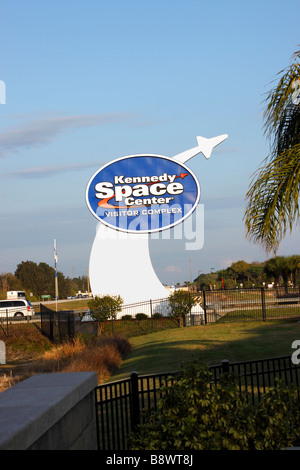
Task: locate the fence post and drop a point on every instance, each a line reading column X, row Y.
column 71, row 325
column 51, row 326
column 225, row 366
column 190, row 306
column 204, row 307
column 135, row 404
column 7, row 321
column 263, row 303
column 151, row 315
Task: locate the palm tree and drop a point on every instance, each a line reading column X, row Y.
column 273, row 269
column 286, row 268
column 272, row 199
column 295, row 268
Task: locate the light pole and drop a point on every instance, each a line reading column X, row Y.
column 199, row 271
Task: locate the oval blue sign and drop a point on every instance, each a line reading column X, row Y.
column 142, row 193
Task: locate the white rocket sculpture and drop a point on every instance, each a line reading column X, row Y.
column 120, row 262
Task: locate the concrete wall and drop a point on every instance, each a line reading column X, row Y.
column 50, row 412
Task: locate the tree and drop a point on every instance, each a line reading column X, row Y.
column 279, row 267
column 105, row 307
column 39, row 279
column 8, row 282
column 27, row 273
column 286, row 268
column 256, row 273
column 208, row 281
column 272, row 199
column 240, row 268
column 295, row 268
column 181, row 303
column 80, row 284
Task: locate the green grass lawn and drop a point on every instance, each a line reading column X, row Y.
column 166, row 351
column 65, row 305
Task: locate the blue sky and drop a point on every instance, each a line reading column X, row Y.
column 91, row 81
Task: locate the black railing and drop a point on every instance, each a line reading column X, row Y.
column 224, row 305
column 228, row 305
column 63, row 325
column 120, row 405
column 57, row 326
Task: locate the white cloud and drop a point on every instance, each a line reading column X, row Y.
column 173, row 269
column 49, row 170
column 43, row 131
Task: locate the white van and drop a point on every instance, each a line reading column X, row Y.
column 16, row 308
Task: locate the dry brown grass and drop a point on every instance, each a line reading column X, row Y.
column 104, row 357
column 24, row 342
column 101, row 354
column 6, row 381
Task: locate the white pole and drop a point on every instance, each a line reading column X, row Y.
column 56, row 281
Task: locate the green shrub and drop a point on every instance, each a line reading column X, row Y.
column 141, row 316
column 196, row 414
column 127, row 317
column 181, row 303
column 157, row 316
column 104, row 307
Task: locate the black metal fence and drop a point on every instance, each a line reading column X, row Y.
column 64, row 325
column 160, row 308
column 228, row 305
column 120, row 405
column 135, row 327
column 224, row 305
column 7, row 319
column 57, row 326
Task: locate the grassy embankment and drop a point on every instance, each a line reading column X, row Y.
column 77, row 304
column 166, row 351
column 28, row 352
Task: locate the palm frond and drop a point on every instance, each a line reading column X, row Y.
column 273, row 199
